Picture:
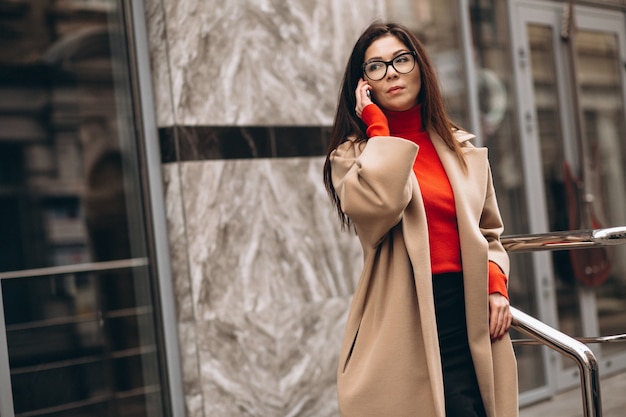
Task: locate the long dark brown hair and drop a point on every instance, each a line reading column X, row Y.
column 347, row 123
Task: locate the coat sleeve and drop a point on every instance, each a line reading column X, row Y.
column 491, row 227
column 372, row 180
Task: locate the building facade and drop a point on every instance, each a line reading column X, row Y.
column 168, row 247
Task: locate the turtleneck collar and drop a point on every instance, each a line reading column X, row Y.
column 405, row 121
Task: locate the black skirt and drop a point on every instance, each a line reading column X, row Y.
column 461, row 391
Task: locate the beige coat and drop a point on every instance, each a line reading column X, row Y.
column 389, row 364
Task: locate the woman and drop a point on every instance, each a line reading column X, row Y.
column 427, row 331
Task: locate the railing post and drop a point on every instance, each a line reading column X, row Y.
column 572, row 348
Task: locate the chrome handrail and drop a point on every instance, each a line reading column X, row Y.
column 541, row 333
column 570, row 347
column 586, row 340
column 571, row 239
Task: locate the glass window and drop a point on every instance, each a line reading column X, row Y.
column 492, row 56
column 75, row 275
column 600, row 81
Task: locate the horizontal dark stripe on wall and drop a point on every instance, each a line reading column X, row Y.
column 193, row 143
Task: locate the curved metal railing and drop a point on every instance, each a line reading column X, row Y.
column 584, row 357
column 541, row 333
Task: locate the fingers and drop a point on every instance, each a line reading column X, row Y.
column 362, row 96
column 500, row 317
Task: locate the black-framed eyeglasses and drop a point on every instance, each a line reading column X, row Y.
column 403, row 64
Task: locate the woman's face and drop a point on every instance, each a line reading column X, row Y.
column 395, row 91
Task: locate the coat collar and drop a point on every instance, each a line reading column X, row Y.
column 462, row 136
column 448, row 157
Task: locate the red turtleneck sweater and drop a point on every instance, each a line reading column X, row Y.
column 437, row 194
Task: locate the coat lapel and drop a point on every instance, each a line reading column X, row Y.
column 468, row 199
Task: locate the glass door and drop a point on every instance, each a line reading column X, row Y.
column 79, row 314
column 571, row 92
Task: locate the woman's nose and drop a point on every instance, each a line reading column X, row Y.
column 391, row 71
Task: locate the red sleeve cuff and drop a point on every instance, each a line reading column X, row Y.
column 376, row 121
column 497, row 280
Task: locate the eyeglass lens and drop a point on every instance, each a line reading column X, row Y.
column 403, row 64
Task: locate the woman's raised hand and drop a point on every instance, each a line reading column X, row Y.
column 363, row 98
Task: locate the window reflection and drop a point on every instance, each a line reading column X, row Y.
column 499, row 129
column 603, row 107
column 81, row 340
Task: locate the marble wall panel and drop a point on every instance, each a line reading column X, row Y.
column 178, row 241
column 254, row 62
column 190, row 362
column 271, row 280
column 280, row 361
column 159, row 62
column 192, row 385
column 262, row 232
